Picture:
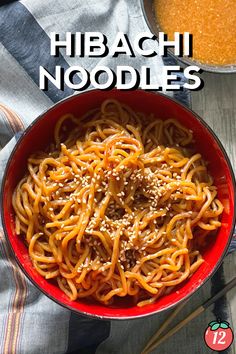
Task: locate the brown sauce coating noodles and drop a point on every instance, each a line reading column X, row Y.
column 118, row 206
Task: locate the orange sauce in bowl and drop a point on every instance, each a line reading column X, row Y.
column 211, row 22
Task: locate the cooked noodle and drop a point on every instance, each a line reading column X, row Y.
column 118, row 206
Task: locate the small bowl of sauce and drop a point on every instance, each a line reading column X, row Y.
column 212, row 24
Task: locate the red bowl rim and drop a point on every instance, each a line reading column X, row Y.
column 109, row 317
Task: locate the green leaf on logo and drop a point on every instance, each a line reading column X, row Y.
column 215, row 327
column 225, row 322
column 224, row 325
column 212, row 323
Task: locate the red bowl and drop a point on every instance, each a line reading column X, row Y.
column 40, row 133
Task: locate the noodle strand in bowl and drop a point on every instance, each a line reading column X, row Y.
column 118, row 206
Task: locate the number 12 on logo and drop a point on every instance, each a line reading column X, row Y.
column 218, row 335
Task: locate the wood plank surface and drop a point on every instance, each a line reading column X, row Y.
column 216, row 103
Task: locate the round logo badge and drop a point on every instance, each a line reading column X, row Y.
column 218, row 335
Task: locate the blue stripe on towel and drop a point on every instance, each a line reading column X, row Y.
column 86, row 334
column 184, row 95
column 232, row 246
column 4, row 2
column 28, row 43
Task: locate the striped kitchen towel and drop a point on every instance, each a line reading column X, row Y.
column 30, row 323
